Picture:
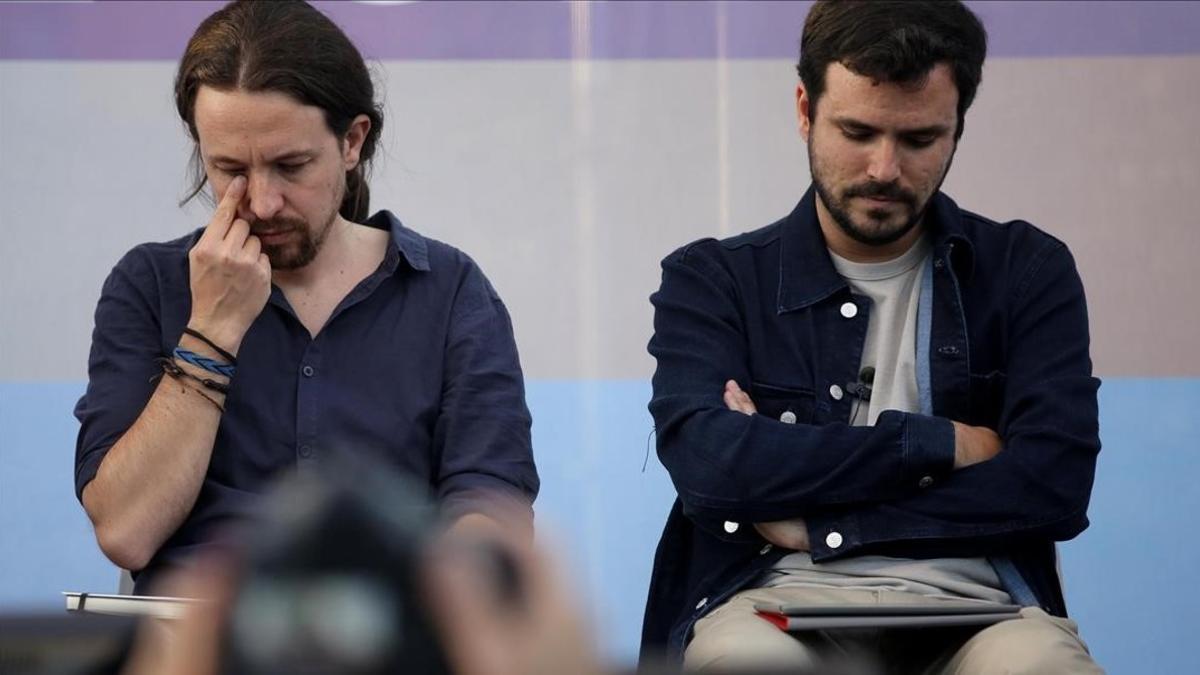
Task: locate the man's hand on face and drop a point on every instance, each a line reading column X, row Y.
column 230, row 275
column 792, row 533
column 974, row 444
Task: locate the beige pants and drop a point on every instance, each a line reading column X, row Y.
column 733, row 637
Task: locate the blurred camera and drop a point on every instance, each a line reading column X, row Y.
column 330, row 581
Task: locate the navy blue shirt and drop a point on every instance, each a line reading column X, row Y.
column 1008, row 350
column 417, row 364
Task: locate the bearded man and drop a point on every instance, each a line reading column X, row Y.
column 294, row 326
column 882, row 398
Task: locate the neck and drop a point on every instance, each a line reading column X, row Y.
column 335, row 251
column 856, row 251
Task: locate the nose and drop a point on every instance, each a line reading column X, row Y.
column 885, row 162
column 263, row 200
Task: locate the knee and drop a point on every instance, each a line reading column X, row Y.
column 1027, row 646
column 746, row 645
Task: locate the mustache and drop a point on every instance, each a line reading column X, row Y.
column 276, row 225
column 882, row 190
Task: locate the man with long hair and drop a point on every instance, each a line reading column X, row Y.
column 294, row 325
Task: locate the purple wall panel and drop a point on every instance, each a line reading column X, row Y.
column 542, row 30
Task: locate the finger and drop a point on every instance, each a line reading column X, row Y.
column 252, row 248
column 747, row 404
column 235, row 239
column 223, row 217
column 476, row 637
column 730, row 400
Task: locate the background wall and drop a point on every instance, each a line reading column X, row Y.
column 568, row 147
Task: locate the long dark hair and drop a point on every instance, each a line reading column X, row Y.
column 896, row 41
column 286, row 47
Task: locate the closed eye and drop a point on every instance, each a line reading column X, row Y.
column 858, row 135
column 920, row 140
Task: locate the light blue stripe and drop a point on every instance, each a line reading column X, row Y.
column 924, row 333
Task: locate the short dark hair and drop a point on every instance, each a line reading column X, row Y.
column 291, row 48
column 893, row 41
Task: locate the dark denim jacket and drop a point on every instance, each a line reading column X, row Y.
column 1007, row 349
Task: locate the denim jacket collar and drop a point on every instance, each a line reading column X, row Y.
column 807, row 274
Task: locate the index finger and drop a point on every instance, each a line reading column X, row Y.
column 223, row 217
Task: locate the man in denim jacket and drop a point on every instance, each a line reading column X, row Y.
column 880, row 398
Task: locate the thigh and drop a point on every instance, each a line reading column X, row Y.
column 1035, row 643
column 734, row 637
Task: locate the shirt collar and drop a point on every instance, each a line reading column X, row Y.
column 807, row 274
column 406, row 243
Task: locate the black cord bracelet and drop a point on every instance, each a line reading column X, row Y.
column 175, row 370
column 172, row 370
column 200, row 336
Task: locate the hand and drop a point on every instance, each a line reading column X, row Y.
column 973, row 445
column 791, row 534
column 191, row 644
column 540, row 632
column 230, row 275
column 738, row 400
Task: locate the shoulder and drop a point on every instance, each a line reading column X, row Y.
column 155, row 264
column 1016, row 235
column 441, row 268
column 729, row 251
column 1015, row 251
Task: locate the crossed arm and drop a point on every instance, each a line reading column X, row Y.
column 971, row 445
column 1030, row 478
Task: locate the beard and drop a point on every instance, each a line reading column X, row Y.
column 882, row 226
column 302, row 245
column 304, row 241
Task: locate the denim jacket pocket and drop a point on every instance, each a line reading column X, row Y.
column 786, row 404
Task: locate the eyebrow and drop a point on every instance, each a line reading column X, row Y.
column 287, row 156
column 933, row 129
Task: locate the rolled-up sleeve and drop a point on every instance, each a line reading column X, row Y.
column 482, row 436
column 122, row 371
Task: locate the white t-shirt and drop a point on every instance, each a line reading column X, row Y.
column 890, row 348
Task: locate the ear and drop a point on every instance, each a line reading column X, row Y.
column 352, row 143
column 802, row 112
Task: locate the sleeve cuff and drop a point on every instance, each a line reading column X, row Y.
column 928, row 453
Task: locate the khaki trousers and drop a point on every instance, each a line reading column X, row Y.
column 734, row 637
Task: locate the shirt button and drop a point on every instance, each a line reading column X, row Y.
column 765, row 550
column 731, row 526
column 308, row 371
column 702, row 603
column 836, row 392
column 833, row 540
column 788, row 417
column 849, row 310
column 925, row 481
column 305, row 451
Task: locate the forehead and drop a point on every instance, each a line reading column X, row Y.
column 234, row 122
column 889, row 104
